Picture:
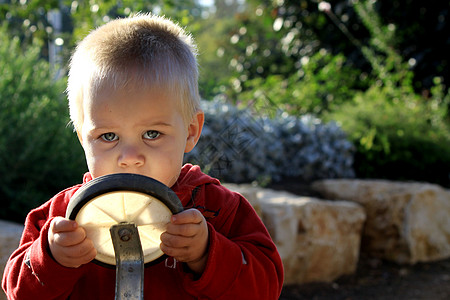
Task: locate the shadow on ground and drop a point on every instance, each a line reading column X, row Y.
column 375, row 279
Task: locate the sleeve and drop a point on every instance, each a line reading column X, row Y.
column 243, row 261
column 31, row 272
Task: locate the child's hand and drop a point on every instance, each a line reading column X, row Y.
column 68, row 243
column 186, row 239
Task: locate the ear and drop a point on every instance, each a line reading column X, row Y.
column 194, row 130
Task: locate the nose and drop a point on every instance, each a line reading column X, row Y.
column 130, row 157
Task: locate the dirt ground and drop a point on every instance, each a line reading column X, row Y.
column 374, row 278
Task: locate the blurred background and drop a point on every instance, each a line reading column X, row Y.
column 320, row 89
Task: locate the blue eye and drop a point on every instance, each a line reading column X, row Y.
column 151, row 134
column 109, row 137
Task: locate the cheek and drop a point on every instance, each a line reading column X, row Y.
column 89, row 152
column 172, row 176
column 93, row 159
column 168, row 168
column 90, row 159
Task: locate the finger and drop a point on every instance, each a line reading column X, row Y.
column 188, row 230
column 184, row 254
column 60, row 224
column 76, row 256
column 175, row 241
column 88, row 257
column 70, row 238
column 180, row 254
column 188, row 216
column 85, row 248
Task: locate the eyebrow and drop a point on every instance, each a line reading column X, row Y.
column 143, row 124
column 156, row 124
column 162, row 123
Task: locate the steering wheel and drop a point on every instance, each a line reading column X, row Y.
column 124, row 198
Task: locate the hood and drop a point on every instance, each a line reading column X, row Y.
column 191, row 177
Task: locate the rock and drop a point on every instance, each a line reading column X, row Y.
column 10, row 234
column 406, row 222
column 318, row 241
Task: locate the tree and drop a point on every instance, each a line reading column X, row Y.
column 39, row 153
column 29, row 20
column 278, row 35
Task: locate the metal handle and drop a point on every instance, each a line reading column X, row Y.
column 129, row 261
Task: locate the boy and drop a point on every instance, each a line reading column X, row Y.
column 134, row 103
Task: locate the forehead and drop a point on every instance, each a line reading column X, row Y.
column 134, row 81
column 155, row 98
column 125, row 109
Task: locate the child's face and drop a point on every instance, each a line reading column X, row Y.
column 142, row 133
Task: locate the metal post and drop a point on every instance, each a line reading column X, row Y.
column 129, row 261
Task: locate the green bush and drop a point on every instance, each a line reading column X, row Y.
column 39, row 153
column 398, row 135
column 322, row 83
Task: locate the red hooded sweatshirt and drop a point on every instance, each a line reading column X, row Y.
column 243, row 262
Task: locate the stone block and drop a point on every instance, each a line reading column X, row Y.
column 407, row 222
column 318, row 241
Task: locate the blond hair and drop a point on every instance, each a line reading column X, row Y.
column 142, row 51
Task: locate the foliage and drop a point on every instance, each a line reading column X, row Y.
column 401, row 138
column 210, row 35
column 39, row 154
column 409, row 145
column 27, row 19
column 87, row 15
column 324, row 83
column 387, row 65
column 398, row 134
column 30, row 21
column 241, row 146
column 421, row 29
column 266, row 44
column 277, row 35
